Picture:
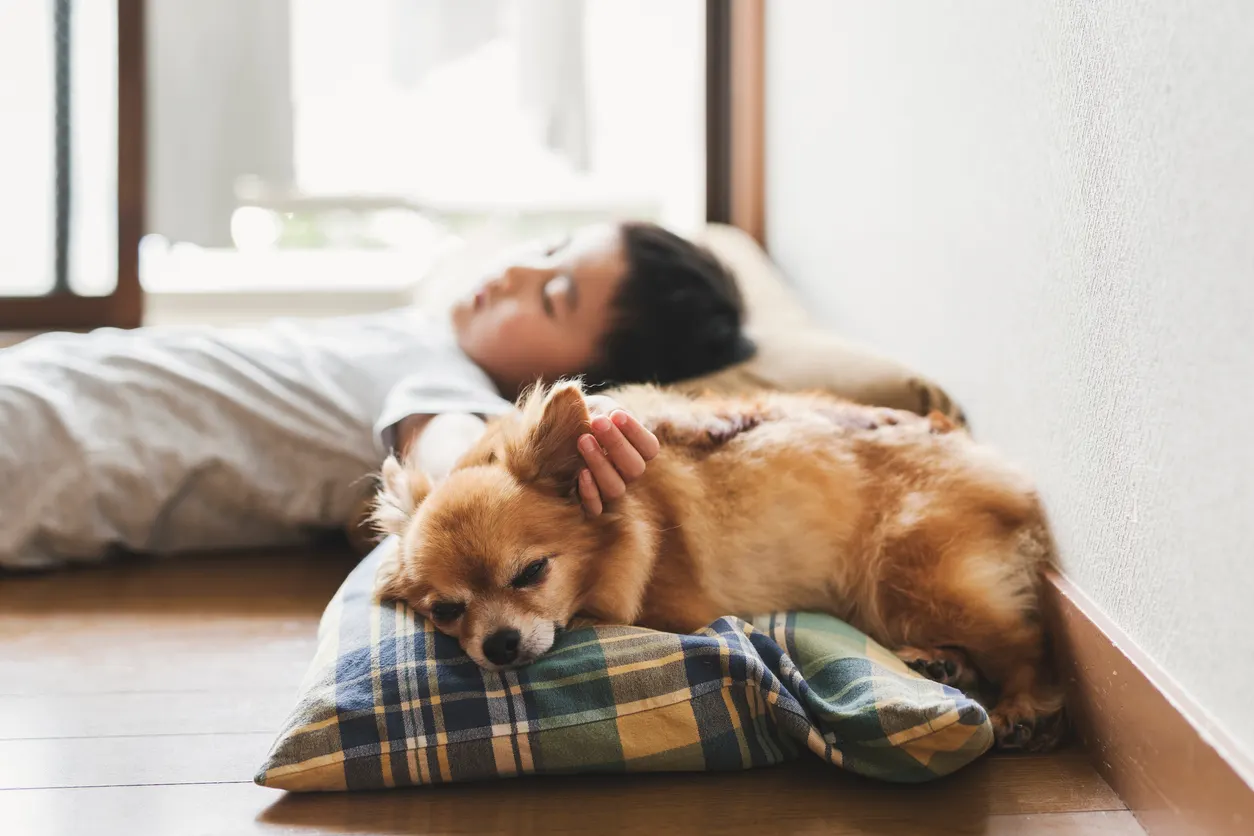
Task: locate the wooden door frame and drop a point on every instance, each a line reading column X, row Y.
column 123, row 308
column 735, row 114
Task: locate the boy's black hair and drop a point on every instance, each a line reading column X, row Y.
column 677, row 314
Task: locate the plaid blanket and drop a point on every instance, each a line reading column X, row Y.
column 388, row 701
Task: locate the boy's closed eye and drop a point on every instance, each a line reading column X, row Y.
column 559, row 295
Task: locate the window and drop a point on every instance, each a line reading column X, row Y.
column 294, row 146
column 316, row 144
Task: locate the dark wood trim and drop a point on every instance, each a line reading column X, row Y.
column 62, row 312
column 718, row 111
column 735, row 114
column 128, row 298
column 748, row 125
column 63, row 140
column 124, row 307
column 1177, row 770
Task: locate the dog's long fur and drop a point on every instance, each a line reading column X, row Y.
column 896, row 523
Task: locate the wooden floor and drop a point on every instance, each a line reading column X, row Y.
column 139, row 699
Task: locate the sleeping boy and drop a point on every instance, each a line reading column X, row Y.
column 171, row 439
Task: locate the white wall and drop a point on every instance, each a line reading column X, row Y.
column 1049, row 206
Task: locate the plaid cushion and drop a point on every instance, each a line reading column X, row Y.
column 388, row 701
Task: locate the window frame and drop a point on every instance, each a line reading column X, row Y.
column 735, row 160
column 123, row 308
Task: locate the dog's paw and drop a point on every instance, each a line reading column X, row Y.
column 932, row 398
column 946, row 666
column 1033, row 735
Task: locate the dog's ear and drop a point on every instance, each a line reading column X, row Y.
column 546, row 453
column 402, row 488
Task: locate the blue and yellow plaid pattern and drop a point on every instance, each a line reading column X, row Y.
column 388, row 701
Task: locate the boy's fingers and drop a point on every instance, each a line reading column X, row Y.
column 645, row 442
column 608, row 483
column 588, row 493
column 600, row 404
column 626, row 459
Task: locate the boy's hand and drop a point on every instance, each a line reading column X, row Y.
column 407, row 432
column 616, row 452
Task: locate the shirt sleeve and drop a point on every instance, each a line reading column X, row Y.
column 447, row 383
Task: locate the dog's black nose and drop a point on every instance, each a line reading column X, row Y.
column 501, row 647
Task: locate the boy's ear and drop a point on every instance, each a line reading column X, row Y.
column 402, row 488
column 546, row 454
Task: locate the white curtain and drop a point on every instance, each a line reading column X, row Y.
column 552, row 70
column 219, row 86
column 427, row 33
column 553, row 75
column 221, row 89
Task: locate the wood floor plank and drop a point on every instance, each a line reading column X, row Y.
column 1059, row 783
column 254, row 709
column 1115, row 823
column 127, row 656
column 281, row 583
column 112, row 761
column 219, row 623
column 785, row 800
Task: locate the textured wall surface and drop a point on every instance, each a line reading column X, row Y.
column 1050, row 207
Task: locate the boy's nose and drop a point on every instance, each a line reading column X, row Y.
column 519, row 277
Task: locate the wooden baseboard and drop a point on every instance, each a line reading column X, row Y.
column 1177, row 771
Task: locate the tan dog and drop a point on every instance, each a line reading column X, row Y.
column 926, row 541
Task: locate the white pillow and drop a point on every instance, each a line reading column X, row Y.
column 794, row 353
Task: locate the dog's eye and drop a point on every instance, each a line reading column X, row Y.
column 445, row 612
column 531, row 575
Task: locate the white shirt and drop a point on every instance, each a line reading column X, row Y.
column 170, row 439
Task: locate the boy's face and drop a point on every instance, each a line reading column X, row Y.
column 545, row 315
